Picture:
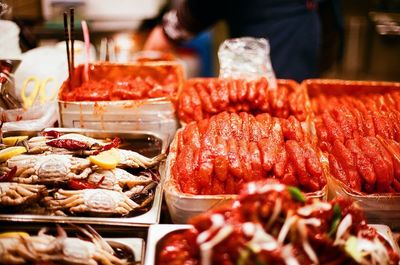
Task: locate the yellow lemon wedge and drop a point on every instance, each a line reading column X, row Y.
column 13, row 140
column 11, row 151
column 108, row 159
column 13, row 234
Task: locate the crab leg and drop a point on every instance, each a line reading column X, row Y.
column 133, row 159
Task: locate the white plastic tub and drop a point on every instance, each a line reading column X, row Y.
column 154, row 114
column 183, row 206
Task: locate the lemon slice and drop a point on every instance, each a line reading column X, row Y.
column 13, row 140
column 108, row 159
column 11, row 151
column 13, row 234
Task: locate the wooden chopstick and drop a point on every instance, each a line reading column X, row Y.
column 67, row 39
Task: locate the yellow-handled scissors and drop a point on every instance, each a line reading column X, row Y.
column 39, row 89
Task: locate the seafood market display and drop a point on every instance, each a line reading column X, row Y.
column 359, row 129
column 219, row 154
column 88, row 247
column 72, row 174
column 272, row 223
column 203, row 97
column 124, row 82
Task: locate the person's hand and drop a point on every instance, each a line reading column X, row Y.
column 158, row 41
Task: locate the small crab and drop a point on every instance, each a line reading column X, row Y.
column 98, row 201
column 47, row 169
column 16, row 194
column 67, row 250
column 20, row 248
column 117, row 179
column 70, row 143
column 133, row 159
column 15, row 250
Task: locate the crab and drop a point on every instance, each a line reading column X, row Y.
column 70, row 143
column 14, row 250
column 98, row 201
column 129, row 158
column 20, row 248
column 117, row 179
column 16, row 194
column 66, row 250
column 47, row 169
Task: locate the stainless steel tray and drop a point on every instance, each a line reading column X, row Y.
column 146, row 143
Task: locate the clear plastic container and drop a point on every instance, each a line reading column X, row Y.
column 183, row 206
column 336, row 87
column 379, row 208
column 153, row 114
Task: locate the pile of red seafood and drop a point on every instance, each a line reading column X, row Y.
column 204, row 97
column 348, row 117
column 110, row 82
column 361, row 133
column 130, row 87
column 219, row 154
column 275, row 224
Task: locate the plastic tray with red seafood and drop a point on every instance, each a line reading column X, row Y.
column 135, row 96
column 357, row 125
column 210, row 160
column 204, row 97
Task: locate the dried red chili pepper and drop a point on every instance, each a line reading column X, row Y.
column 81, row 185
column 52, row 133
column 5, row 177
column 114, row 143
column 69, row 144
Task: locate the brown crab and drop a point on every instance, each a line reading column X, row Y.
column 47, row 169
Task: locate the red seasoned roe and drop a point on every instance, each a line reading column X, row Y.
column 128, row 88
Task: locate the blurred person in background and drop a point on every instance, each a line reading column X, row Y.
column 292, row 27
